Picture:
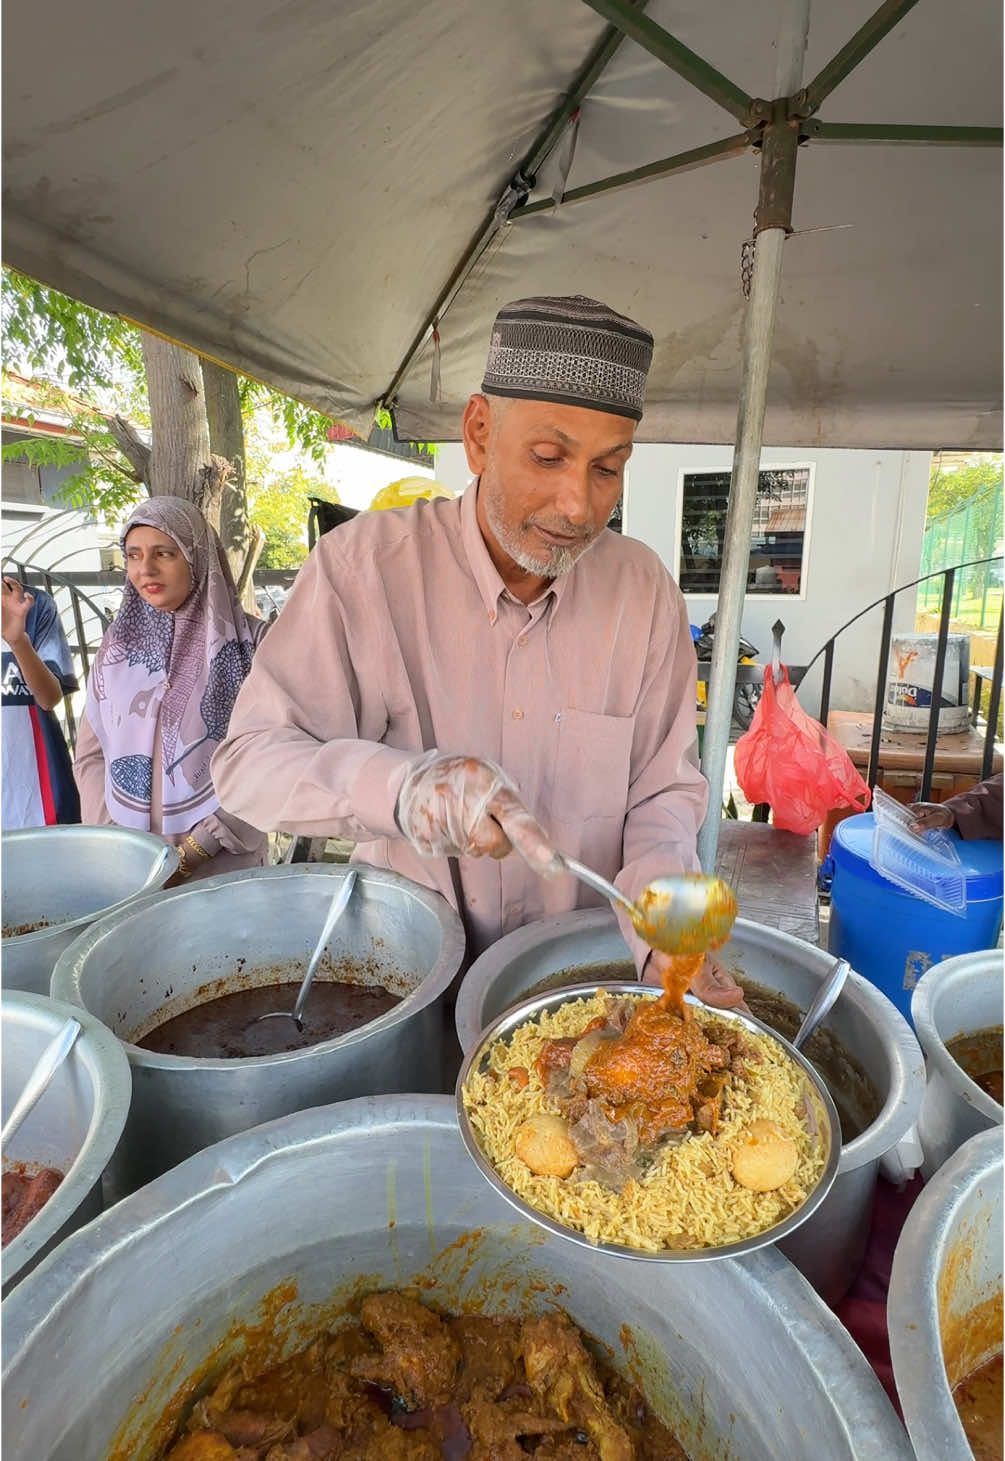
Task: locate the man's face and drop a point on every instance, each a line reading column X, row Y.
column 551, row 476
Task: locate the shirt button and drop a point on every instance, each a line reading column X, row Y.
column 518, row 715
column 522, row 640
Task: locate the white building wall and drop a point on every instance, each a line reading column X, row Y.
column 865, row 528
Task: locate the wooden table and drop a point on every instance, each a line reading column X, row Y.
column 774, row 876
column 959, row 759
column 960, row 754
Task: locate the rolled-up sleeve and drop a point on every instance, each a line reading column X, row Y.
column 668, row 795
column 296, row 758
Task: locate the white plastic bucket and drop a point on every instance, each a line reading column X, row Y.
column 910, row 677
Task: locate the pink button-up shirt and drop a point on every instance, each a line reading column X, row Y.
column 400, row 636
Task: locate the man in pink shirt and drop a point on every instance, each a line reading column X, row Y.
column 423, row 649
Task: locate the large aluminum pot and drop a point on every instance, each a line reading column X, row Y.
column 957, row 997
column 165, row 954
column 830, row 1246
column 944, row 1311
column 741, row 1358
column 66, row 877
column 75, row 1126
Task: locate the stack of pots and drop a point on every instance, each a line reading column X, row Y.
column 75, row 1127
column 284, row 1225
column 164, row 954
column 829, row 1247
column 63, row 878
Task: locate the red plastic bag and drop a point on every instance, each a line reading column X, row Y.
column 787, row 759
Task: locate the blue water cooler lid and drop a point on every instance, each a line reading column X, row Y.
column 982, row 862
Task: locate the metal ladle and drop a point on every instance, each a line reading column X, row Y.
column 37, row 1084
column 688, row 913
column 338, row 907
column 822, row 1004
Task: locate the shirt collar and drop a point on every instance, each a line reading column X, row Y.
column 486, row 575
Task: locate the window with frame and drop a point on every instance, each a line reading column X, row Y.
column 778, row 536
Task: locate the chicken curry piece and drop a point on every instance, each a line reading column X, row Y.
column 407, row 1384
column 656, row 1072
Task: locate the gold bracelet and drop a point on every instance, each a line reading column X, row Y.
column 196, row 847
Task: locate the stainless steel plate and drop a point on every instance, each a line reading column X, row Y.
column 531, row 1009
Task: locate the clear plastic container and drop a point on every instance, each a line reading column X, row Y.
column 926, row 864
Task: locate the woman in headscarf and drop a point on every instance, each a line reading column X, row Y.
column 161, row 691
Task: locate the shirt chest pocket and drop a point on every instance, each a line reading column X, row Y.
column 593, row 765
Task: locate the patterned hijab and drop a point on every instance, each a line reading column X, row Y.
column 177, row 671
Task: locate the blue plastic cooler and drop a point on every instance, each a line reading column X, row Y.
column 890, row 936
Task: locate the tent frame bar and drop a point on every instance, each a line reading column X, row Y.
column 904, row 134
column 865, row 39
column 677, row 57
column 520, row 184
column 719, row 151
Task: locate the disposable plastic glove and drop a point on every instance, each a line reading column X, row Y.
column 459, row 806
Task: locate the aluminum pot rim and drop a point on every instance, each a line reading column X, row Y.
column 899, row 1111
column 912, row 1305
column 520, row 1013
column 47, row 1294
column 932, row 985
column 66, row 831
column 66, row 974
column 112, row 1096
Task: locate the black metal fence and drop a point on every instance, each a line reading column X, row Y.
column 948, row 575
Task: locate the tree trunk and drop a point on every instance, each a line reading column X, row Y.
column 178, row 427
column 181, row 462
column 226, row 439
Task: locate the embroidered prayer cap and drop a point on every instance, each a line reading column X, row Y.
column 569, row 349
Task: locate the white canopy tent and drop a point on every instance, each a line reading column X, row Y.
column 336, row 198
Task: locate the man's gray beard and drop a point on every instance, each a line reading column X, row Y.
column 559, row 561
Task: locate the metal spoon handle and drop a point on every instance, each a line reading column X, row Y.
column 46, row 1066
column 587, row 875
column 825, row 997
column 334, row 914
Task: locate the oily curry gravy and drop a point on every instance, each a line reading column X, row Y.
column 980, row 1057
column 225, row 1028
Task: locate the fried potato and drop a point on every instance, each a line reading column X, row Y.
column 544, row 1145
column 764, row 1157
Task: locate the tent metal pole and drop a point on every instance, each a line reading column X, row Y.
column 778, row 162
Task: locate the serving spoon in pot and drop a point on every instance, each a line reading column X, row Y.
column 823, row 1002
column 338, row 906
column 687, row 913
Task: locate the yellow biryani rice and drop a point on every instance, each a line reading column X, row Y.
column 688, row 1198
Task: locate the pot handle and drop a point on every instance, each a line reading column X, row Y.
column 900, row 1163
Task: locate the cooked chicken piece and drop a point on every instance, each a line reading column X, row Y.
column 764, row 1158
column 490, row 1356
column 252, row 1429
column 544, row 1145
column 564, row 1379
column 206, row 1412
column 202, row 1446
column 293, row 1390
column 420, row 1356
column 653, row 1071
column 323, row 1444
column 495, row 1426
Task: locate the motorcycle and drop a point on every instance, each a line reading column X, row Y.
column 745, row 697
